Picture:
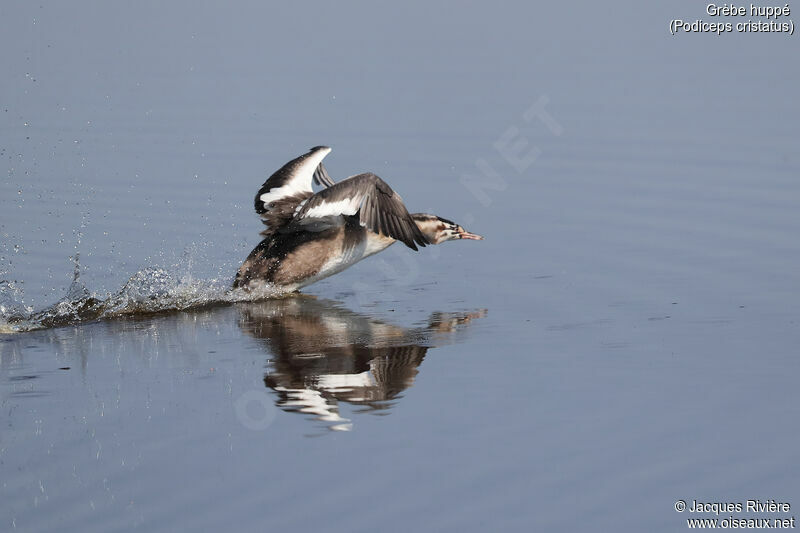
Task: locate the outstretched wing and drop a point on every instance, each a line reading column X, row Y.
column 277, row 200
column 369, row 198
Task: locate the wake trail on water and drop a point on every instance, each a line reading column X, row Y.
column 150, row 290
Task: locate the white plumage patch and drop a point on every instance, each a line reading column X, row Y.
column 300, row 206
column 348, row 206
column 281, row 192
column 300, row 181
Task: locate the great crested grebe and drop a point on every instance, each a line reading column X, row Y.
column 312, row 236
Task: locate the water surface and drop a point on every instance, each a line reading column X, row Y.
column 624, row 337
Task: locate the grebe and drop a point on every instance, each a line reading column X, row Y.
column 312, row 236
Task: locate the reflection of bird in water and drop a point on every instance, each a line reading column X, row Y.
column 323, row 354
column 312, row 236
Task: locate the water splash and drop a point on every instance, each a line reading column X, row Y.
column 150, row 290
column 12, row 306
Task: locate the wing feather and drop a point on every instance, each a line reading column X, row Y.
column 321, row 176
column 280, row 196
column 370, row 198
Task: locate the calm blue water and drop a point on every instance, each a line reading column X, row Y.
column 625, row 336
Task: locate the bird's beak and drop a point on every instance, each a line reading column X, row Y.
column 464, row 234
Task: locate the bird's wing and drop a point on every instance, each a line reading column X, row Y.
column 368, row 197
column 277, row 200
column 321, row 176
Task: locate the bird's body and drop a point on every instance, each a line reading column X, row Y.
column 312, row 236
column 295, row 260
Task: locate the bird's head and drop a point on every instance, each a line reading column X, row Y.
column 438, row 230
